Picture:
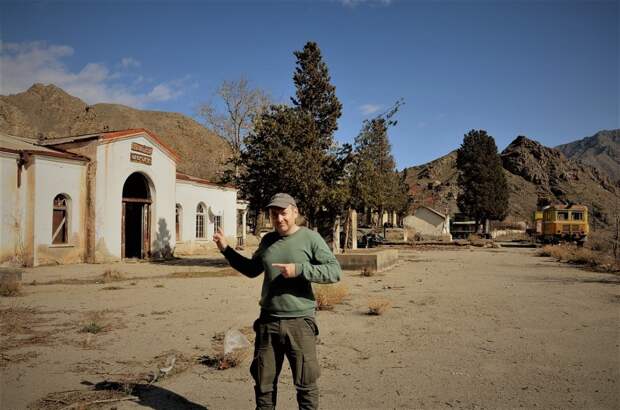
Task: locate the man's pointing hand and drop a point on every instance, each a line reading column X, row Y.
column 286, row 269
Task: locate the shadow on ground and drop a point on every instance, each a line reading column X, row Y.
column 153, row 396
column 615, row 280
column 218, row 262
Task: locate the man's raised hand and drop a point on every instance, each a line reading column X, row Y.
column 220, row 239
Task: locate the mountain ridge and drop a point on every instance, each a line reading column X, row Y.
column 48, row 111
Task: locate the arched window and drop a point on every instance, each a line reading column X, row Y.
column 201, row 215
column 60, row 220
column 178, row 220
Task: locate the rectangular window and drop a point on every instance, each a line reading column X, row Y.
column 577, row 216
column 217, row 222
column 59, row 226
column 200, row 226
column 562, row 215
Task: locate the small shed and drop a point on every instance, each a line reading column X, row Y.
column 428, row 223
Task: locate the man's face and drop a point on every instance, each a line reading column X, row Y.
column 283, row 219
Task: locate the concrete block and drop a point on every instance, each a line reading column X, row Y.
column 374, row 260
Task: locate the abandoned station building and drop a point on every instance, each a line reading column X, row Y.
column 105, row 197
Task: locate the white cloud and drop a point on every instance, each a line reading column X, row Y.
column 23, row 64
column 128, row 62
column 368, row 109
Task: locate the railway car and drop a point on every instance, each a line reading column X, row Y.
column 561, row 223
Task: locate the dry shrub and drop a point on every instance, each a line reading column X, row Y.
column 378, row 307
column 327, row 296
column 98, row 321
column 22, row 326
column 10, row 287
column 601, row 241
column 581, row 256
column 111, row 275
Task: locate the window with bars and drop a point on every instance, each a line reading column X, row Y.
column 60, row 220
column 177, row 220
column 201, row 214
column 217, row 222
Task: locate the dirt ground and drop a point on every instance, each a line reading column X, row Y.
column 467, row 328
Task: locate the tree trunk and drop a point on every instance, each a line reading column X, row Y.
column 347, row 228
column 260, row 222
column 336, row 235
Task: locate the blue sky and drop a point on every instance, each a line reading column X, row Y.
column 548, row 70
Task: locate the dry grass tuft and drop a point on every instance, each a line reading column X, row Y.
column 98, row 321
column 112, row 288
column 377, row 307
column 10, row 288
column 111, row 275
column 327, row 296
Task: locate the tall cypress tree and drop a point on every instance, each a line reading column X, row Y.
column 314, row 92
column 484, row 189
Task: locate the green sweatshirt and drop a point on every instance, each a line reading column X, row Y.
column 292, row 297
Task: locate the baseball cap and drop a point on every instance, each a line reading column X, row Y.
column 281, row 200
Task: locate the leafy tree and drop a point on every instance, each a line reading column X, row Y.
column 484, row 190
column 375, row 183
column 292, row 149
column 280, row 157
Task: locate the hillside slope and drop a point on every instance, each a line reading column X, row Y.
column 602, row 151
column 48, row 111
column 533, row 171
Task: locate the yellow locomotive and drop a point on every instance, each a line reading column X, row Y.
column 556, row 223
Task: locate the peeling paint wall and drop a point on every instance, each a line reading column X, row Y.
column 88, row 149
column 219, row 201
column 11, row 213
column 52, row 177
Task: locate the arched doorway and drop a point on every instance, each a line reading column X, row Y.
column 136, row 219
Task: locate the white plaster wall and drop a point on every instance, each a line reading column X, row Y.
column 219, row 201
column 424, row 222
column 55, row 176
column 113, row 169
column 10, row 210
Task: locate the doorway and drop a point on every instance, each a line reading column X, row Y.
column 136, row 218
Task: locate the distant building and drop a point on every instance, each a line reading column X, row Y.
column 462, row 226
column 428, row 223
column 106, row 197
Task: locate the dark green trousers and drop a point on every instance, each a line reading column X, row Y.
column 294, row 338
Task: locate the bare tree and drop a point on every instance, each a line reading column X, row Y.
column 241, row 104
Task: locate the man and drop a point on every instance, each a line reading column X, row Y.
column 291, row 258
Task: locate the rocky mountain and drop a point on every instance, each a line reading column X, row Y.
column 48, row 111
column 602, row 151
column 533, row 171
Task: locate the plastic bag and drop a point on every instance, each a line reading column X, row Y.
column 234, row 340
